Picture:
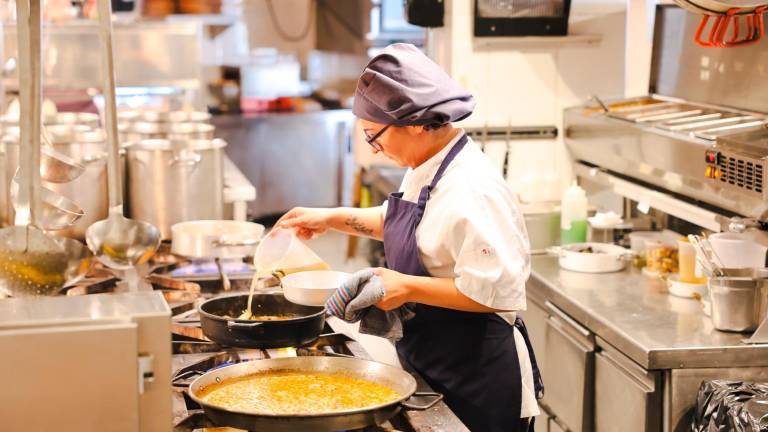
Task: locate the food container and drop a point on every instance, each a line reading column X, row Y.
column 739, row 304
column 282, row 253
column 679, row 288
column 312, row 288
column 661, row 258
column 592, row 257
column 738, row 250
column 687, row 263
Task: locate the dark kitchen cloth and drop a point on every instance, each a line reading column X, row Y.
column 355, row 299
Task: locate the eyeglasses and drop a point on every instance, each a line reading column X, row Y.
column 371, row 140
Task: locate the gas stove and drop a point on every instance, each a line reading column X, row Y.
column 193, row 355
column 186, row 284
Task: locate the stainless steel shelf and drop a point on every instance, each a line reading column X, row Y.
column 506, row 41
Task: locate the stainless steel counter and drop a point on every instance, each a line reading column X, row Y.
column 635, row 314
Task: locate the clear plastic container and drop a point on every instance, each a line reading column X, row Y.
column 283, row 253
column 687, row 263
column 661, row 258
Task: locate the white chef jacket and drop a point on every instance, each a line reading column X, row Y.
column 473, row 230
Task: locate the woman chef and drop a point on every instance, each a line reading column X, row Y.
column 454, row 240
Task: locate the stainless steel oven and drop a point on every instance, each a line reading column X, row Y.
column 698, row 141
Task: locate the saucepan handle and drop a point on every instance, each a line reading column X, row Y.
column 186, row 158
column 410, row 405
column 235, row 243
column 240, row 325
column 554, row 250
column 627, row 256
column 178, row 380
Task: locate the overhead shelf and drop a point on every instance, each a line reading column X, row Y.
column 522, row 41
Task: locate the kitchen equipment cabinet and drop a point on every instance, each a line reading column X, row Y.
column 621, row 386
column 568, row 370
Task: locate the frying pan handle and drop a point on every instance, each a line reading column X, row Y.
column 178, row 380
column 239, row 325
column 437, row 398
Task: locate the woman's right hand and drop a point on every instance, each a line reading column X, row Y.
column 307, row 222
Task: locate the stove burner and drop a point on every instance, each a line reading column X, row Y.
column 208, row 269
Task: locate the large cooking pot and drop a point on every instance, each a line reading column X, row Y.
column 395, row 378
column 130, row 132
column 89, row 190
column 305, row 328
column 90, row 120
column 175, row 181
column 181, row 116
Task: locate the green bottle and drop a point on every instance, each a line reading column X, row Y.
column 573, row 215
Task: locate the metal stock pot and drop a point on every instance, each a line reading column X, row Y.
column 173, row 131
column 175, row 181
column 131, row 116
column 89, row 190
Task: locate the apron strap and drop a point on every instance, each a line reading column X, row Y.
column 427, row 190
column 538, row 383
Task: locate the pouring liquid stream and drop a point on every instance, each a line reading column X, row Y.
column 279, row 273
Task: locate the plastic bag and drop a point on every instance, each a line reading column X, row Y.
column 725, row 406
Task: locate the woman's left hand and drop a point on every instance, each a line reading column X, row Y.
column 396, row 290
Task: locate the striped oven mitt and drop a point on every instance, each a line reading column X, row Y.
column 353, row 298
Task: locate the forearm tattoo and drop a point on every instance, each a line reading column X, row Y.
column 358, row 226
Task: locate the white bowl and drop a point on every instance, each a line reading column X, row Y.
column 312, row 288
column 685, row 289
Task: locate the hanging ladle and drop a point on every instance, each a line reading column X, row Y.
column 118, row 242
column 56, row 212
column 56, row 167
column 31, row 261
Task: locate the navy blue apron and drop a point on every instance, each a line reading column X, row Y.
column 469, row 357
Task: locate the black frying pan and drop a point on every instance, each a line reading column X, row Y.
column 260, row 334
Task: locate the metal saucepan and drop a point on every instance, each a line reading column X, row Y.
column 395, row 378
column 215, row 238
column 305, row 328
column 592, row 257
column 739, row 304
